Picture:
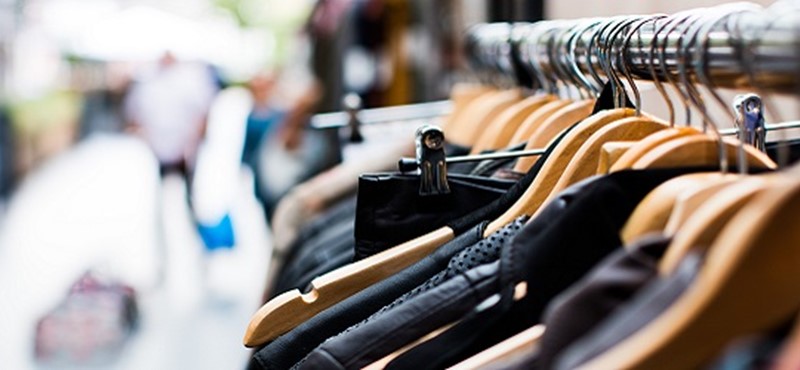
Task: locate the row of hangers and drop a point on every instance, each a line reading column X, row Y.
column 540, row 79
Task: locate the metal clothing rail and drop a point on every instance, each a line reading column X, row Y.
column 768, row 127
column 733, row 46
column 380, row 115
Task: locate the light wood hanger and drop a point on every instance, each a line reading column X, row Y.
column 499, row 132
column 654, row 211
column 557, row 122
column 525, row 131
column 535, row 195
column 699, row 150
column 462, row 96
column 647, row 144
column 748, row 284
column 689, row 201
column 705, row 223
column 610, row 153
column 479, row 114
column 292, row 308
column 518, row 345
column 585, row 161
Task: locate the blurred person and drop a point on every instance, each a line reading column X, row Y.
column 277, row 147
column 168, row 108
column 264, row 116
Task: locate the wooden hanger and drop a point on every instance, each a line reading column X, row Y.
column 654, row 211
column 462, row 96
column 499, row 132
column 584, row 163
column 610, row 153
column 551, row 170
column 690, row 200
column 525, row 131
column 705, row 223
column 748, row 283
column 699, row 150
column 292, row 308
column 518, row 345
column 557, row 122
column 466, row 130
column 647, row 144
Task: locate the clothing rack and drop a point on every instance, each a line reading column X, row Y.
column 382, row 115
column 733, row 46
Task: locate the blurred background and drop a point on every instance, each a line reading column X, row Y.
column 144, row 145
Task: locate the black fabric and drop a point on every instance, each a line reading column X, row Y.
column 453, row 150
column 390, row 210
column 573, row 233
column 420, row 315
column 296, row 272
column 652, row 301
column 334, row 241
column 609, row 285
column 389, row 207
column 341, row 212
column 288, row 349
column 485, row 251
column 291, row 347
column 395, row 325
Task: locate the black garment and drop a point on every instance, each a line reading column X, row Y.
column 342, row 211
column 291, row 347
column 609, row 285
column 651, row 302
column 412, row 320
column 390, row 210
column 320, row 250
column 402, row 321
column 573, row 233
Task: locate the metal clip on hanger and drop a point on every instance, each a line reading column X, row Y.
column 430, row 161
column 750, row 120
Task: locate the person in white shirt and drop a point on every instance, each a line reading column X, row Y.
column 168, row 108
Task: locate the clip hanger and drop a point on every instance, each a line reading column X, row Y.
column 430, row 162
column 750, row 120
